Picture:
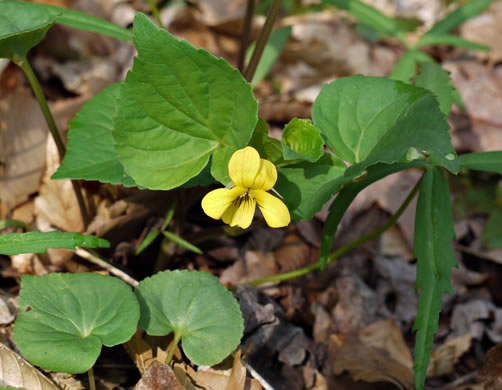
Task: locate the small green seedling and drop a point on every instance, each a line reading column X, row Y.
column 197, row 309
column 438, row 34
column 167, row 234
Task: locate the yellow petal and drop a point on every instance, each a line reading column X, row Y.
column 243, row 167
column 216, row 202
column 266, row 177
column 273, row 209
column 241, row 212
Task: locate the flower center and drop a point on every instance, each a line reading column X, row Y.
column 244, row 198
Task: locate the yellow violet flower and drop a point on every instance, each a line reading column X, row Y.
column 252, row 177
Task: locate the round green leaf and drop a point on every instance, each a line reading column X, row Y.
column 178, row 106
column 367, row 120
column 21, row 30
column 65, row 318
column 196, row 306
column 301, row 140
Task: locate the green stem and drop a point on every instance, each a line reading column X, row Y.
column 92, row 382
column 155, row 12
column 245, row 35
column 313, row 267
column 273, row 12
column 39, row 94
column 176, row 340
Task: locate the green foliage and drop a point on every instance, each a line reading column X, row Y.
column 20, row 30
column 432, row 39
column 459, row 16
column 406, row 67
column 7, row 223
column 371, row 17
column 197, row 308
column 486, row 161
column 37, row 242
column 268, row 148
column 168, row 235
column 364, row 130
column 437, row 80
column 64, row 319
column 433, row 232
column 271, row 52
column 306, row 187
column 347, row 195
column 301, row 140
column 23, row 25
column 91, row 153
column 178, row 107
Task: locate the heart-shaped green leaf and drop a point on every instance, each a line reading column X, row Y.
column 20, row 31
column 367, row 120
column 91, row 153
column 38, row 242
column 196, row 307
column 178, row 106
column 64, row 319
column 301, row 140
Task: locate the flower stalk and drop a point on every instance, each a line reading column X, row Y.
column 341, row 251
column 39, row 95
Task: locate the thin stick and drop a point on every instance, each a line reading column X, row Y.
column 303, row 271
column 155, row 12
column 91, row 256
column 245, row 35
column 273, row 12
column 92, row 382
column 39, row 94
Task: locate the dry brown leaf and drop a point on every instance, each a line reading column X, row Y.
column 23, row 136
column 313, row 379
column 216, row 12
column 139, row 351
column 356, row 307
column 491, row 372
column 372, row 359
column 8, row 308
column 387, row 335
column 292, row 254
column 28, row 263
column 486, row 29
column 237, row 378
column 57, row 205
column 211, row 379
column 444, row 357
column 17, row 372
column 254, row 265
column 470, row 318
column 159, row 376
column 67, row 381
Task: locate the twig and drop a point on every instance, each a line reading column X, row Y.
column 273, row 12
column 89, row 256
column 245, row 35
